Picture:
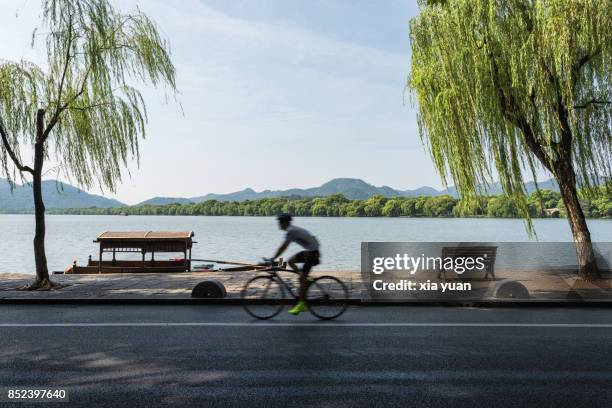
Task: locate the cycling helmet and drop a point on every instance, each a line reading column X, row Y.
column 284, row 217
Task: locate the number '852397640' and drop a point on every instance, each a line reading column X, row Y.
column 44, row 394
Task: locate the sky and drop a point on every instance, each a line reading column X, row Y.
column 273, row 94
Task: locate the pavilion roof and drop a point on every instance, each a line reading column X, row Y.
column 145, row 236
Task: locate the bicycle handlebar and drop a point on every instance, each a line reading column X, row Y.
column 277, row 268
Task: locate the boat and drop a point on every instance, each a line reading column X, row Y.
column 148, row 244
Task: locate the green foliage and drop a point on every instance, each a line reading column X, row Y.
column 514, row 85
column 501, row 207
column 439, row 206
column 93, row 113
column 538, row 202
column 392, row 208
column 602, row 207
column 477, row 207
column 338, row 206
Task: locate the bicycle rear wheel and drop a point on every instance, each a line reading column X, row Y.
column 326, row 297
column 263, row 296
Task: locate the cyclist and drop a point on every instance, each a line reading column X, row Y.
column 309, row 257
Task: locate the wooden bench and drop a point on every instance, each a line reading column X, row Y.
column 487, row 252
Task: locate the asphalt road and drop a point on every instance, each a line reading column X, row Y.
column 373, row 356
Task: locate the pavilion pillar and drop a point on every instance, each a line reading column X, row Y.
column 100, row 260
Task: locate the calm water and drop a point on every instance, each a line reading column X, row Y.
column 69, row 237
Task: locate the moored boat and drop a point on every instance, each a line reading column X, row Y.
column 148, row 244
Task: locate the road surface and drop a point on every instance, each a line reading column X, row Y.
column 373, row 356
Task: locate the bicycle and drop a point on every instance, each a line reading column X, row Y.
column 265, row 294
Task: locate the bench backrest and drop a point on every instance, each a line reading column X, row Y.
column 487, row 252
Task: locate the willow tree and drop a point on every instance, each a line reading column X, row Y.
column 516, row 86
column 81, row 108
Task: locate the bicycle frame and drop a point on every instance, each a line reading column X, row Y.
column 273, row 273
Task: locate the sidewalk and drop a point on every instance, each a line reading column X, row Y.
column 543, row 287
column 141, row 286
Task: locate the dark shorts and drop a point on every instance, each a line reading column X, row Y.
column 308, row 258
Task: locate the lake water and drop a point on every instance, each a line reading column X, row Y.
column 70, row 237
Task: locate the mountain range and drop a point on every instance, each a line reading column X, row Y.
column 351, row 188
column 61, row 195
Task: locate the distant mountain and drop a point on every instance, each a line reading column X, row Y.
column 354, row 189
column 55, row 195
column 496, row 188
column 423, row 191
column 165, row 201
column 246, row 194
column 60, row 195
column 351, row 188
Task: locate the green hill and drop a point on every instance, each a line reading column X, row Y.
column 55, row 195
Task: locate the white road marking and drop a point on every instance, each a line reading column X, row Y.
column 308, row 324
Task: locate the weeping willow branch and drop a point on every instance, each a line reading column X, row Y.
column 12, row 154
column 499, row 82
column 96, row 57
column 583, row 61
column 592, row 102
column 84, row 109
column 501, row 87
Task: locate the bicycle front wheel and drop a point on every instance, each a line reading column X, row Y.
column 326, row 297
column 263, row 296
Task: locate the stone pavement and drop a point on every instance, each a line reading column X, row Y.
column 142, row 285
column 542, row 286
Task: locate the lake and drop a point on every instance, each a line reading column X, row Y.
column 70, row 237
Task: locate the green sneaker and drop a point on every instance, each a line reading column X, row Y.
column 299, row 307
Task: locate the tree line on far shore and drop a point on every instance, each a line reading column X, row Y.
column 546, row 204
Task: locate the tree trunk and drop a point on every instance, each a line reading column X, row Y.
column 587, row 266
column 40, row 257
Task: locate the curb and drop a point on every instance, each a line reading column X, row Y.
column 140, row 301
column 351, row 302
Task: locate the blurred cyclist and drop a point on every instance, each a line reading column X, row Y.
column 309, row 257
